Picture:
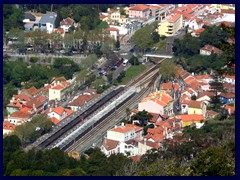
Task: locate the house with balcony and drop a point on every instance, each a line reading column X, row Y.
column 189, row 119
column 170, row 25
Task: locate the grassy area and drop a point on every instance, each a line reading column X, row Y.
column 161, row 44
column 132, row 72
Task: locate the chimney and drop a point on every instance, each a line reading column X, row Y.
column 50, row 110
column 34, row 107
column 122, row 124
column 144, row 141
column 174, row 124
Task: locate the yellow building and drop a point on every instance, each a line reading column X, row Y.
column 123, row 19
column 170, row 25
column 58, row 91
column 188, row 119
column 223, row 6
column 113, row 16
column 197, row 107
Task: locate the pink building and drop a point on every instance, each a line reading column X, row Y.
column 139, row 11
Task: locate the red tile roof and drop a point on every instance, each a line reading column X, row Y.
column 22, row 97
column 205, row 93
column 230, row 109
column 211, row 49
column 139, row 7
column 195, row 104
column 39, row 101
column 54, row 120
column 8, row 126
column 199, row 31
column 123, row 129
column 136, row 128
column 16, row 104
column 110, row 144
column 32, row 91
column 21, row 114
column 166, row 86
column 82, row 99
column 190, row 117
column 112, row 29
column 68, row 21
column 151, row 144
column 227, row 95
column 228, row 11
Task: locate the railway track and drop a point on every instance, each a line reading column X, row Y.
column 67, row 127
column 87, row 140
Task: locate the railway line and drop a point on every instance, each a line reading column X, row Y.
column 65, row 129
column 87, row 140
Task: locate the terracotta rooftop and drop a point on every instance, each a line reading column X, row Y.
column 211, row 49
column 39, row 101
column 151, row 144
column 22, row 97
column 227, row 95
column 139, row 7
column 32, row 91
column 111, row 29
column 21, row 114
column 136, row 128
column 205, row 93
column 110, row 144
column 8, row 126
column 230, row 109
column 68, row 21
column 190, row 117
column 82, row 99
column 122, row 129
column 195, row 104
column 166, row 86
column 228, row 11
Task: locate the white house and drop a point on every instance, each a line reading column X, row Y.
column 66, row 24
column 47, row 22
column 58, row 114
column 207, row 50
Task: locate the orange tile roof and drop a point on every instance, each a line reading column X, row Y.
column 227, row 95
column 195, row 104
column 136, row 128
column 16, row 104
column 21, row 114
column 110, row 144
column 57, row 87
column 102, row 16
column 154, row 118
column 59, row 110
column 32, row 90
column 199, row 31
column 190, row 117
column 151, row 144
column 230, row 109
column 112, row 29
column 211, row 49
column 81, row 99
column 139, row 7
column 229, row 76
column 206, row 76
column 166, row 86
column 8, row 126
column 228, row 11
column 205, row 93
column 38, row 101
column 22, row 97
column 121, row 129
column 54, row 120
column 68, row 21
column 154, row 7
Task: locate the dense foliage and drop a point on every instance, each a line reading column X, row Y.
column 207, row 151
column 18, row 74
column 187, row 50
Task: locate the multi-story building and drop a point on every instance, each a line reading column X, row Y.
column 47, row 22
column 57, row 91
column 139, row 11
column 170, row 25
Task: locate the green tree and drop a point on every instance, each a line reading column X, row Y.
column 11, row 143
column 155, row 37
column 143, row 117
column 168, row 70
column 134, row 61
